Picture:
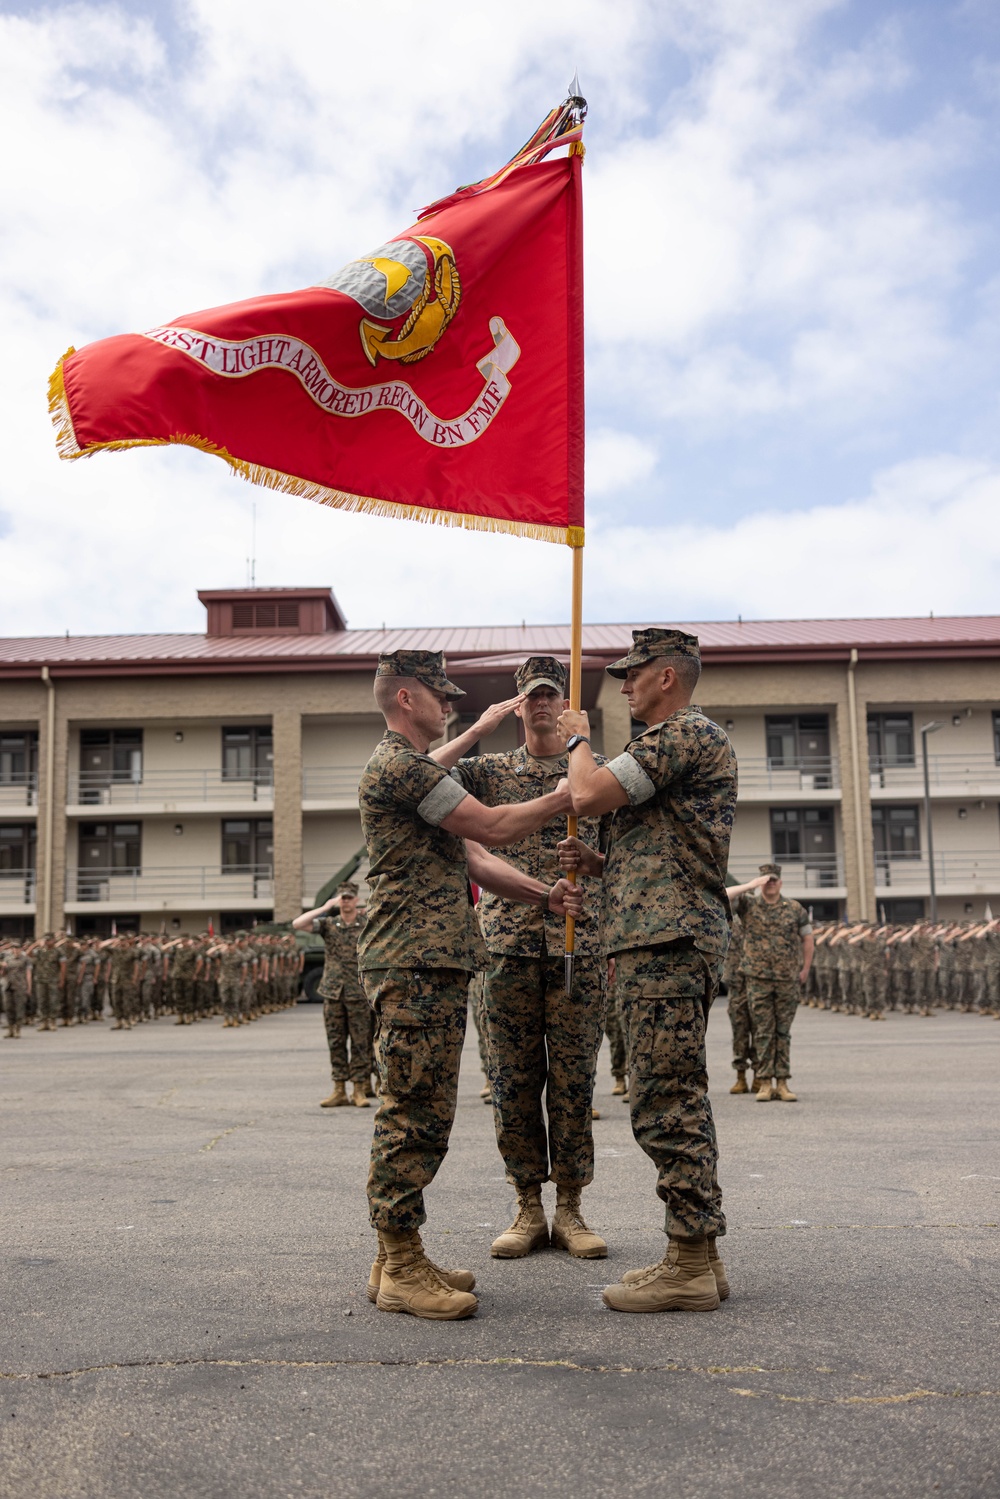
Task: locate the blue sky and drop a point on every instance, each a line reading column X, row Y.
column 793, row 292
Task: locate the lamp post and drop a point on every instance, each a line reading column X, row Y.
column 929, row 728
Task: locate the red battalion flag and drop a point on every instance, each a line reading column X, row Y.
column 439, row 377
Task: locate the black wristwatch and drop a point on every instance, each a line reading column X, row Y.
column 574, row 740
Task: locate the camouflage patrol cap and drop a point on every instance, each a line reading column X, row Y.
column 772, row 870
column 648, row 644
column 428, row 667
column 347, row 888
column 540, row 671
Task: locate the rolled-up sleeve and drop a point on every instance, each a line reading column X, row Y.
column 632, row 778
column 441, row 800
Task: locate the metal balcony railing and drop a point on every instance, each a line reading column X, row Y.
column 801, row 773
column 972, row 872
column 968, row 775
column 339, row 783
column 150, row 787
column 17, row 889
column 200, row 884
column 798, row 872
column 19, row 789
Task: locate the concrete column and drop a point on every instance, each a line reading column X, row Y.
column 856, row 809
column 287, row 727
column 616, row 717
column 50, row 889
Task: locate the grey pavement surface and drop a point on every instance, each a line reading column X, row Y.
column 184, row 1248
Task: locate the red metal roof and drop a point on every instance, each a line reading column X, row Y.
column 479, row 648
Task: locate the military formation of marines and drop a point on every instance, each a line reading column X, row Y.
column 65, row 981
column 863, row 969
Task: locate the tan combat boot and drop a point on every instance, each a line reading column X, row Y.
column 358, row 1096
column 569, row 1231
column 633, row 1277
column 529, row 1230
column 740, row 1085
column 682, row 1281
column 620, row 1086
column 486, row 1093
column 459, row 1280
column 764, row 1093
column 337, row 1097
column 411, row 1284
column 783, row 1091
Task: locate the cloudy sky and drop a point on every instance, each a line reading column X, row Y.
column 793, row 292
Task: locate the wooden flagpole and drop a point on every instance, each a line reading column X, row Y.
column 575, row 692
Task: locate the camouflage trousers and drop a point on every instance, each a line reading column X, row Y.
column 665, row 994
column 544, row 1043
column 744, row 1051
column 420, row 1016
column 47, row 997
column 348, row 1018
column 231, row 997
column 14, row 1000
column 182, row 994
column 124, row 1000
column 615, row 1032
column 479, row 1021
column 875, row 983
column 773, row 1003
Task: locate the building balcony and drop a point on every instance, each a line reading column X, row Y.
column 17, row 892
column 333, row 789
column 206, row 887
column 975, row 873
column 169, row 792
column 949, row 776
column 803, row 779
column 19, row 793
column 815, row 877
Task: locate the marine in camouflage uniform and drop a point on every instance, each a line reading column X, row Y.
column 744, row 1052
column 125, row 967
column 346, row 1011
column 417, row 952
column 542, row 1042
column 70, row 951
column 15, row 974
column 665, row 923
column 775, row 932
column 874, row 971
column 47, row 977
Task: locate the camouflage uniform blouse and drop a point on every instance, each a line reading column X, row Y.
column 508, row 926
column 420, row 912
column 772, row 946
column 340, row 968
column 665, row 872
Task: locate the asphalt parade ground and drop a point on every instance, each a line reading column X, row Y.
column 184, row 1250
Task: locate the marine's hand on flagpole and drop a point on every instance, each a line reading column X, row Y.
column 572, row 721
column 566, row 899
column 577, row 858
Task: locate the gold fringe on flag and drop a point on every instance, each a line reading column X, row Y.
column 272, row 478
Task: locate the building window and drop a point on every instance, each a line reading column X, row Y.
column 247, row 844
column 890, row 740
column 17, row 860
column 996, row 737
column 248, row 754
column 901, row 912
column 804, row 836
column 240, row 921
column 800, row 741
column 273, row 616
column 107, row 850
column 896, row 832
column 108, row 756
column 18, row 758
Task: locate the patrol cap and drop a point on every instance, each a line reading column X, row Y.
column 428, row 667
column 347, row 888
column 541, row 671
column 648, row 644
column 773, row 871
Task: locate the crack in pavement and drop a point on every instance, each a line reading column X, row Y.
column 906, row 1397
column 232, row 1130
